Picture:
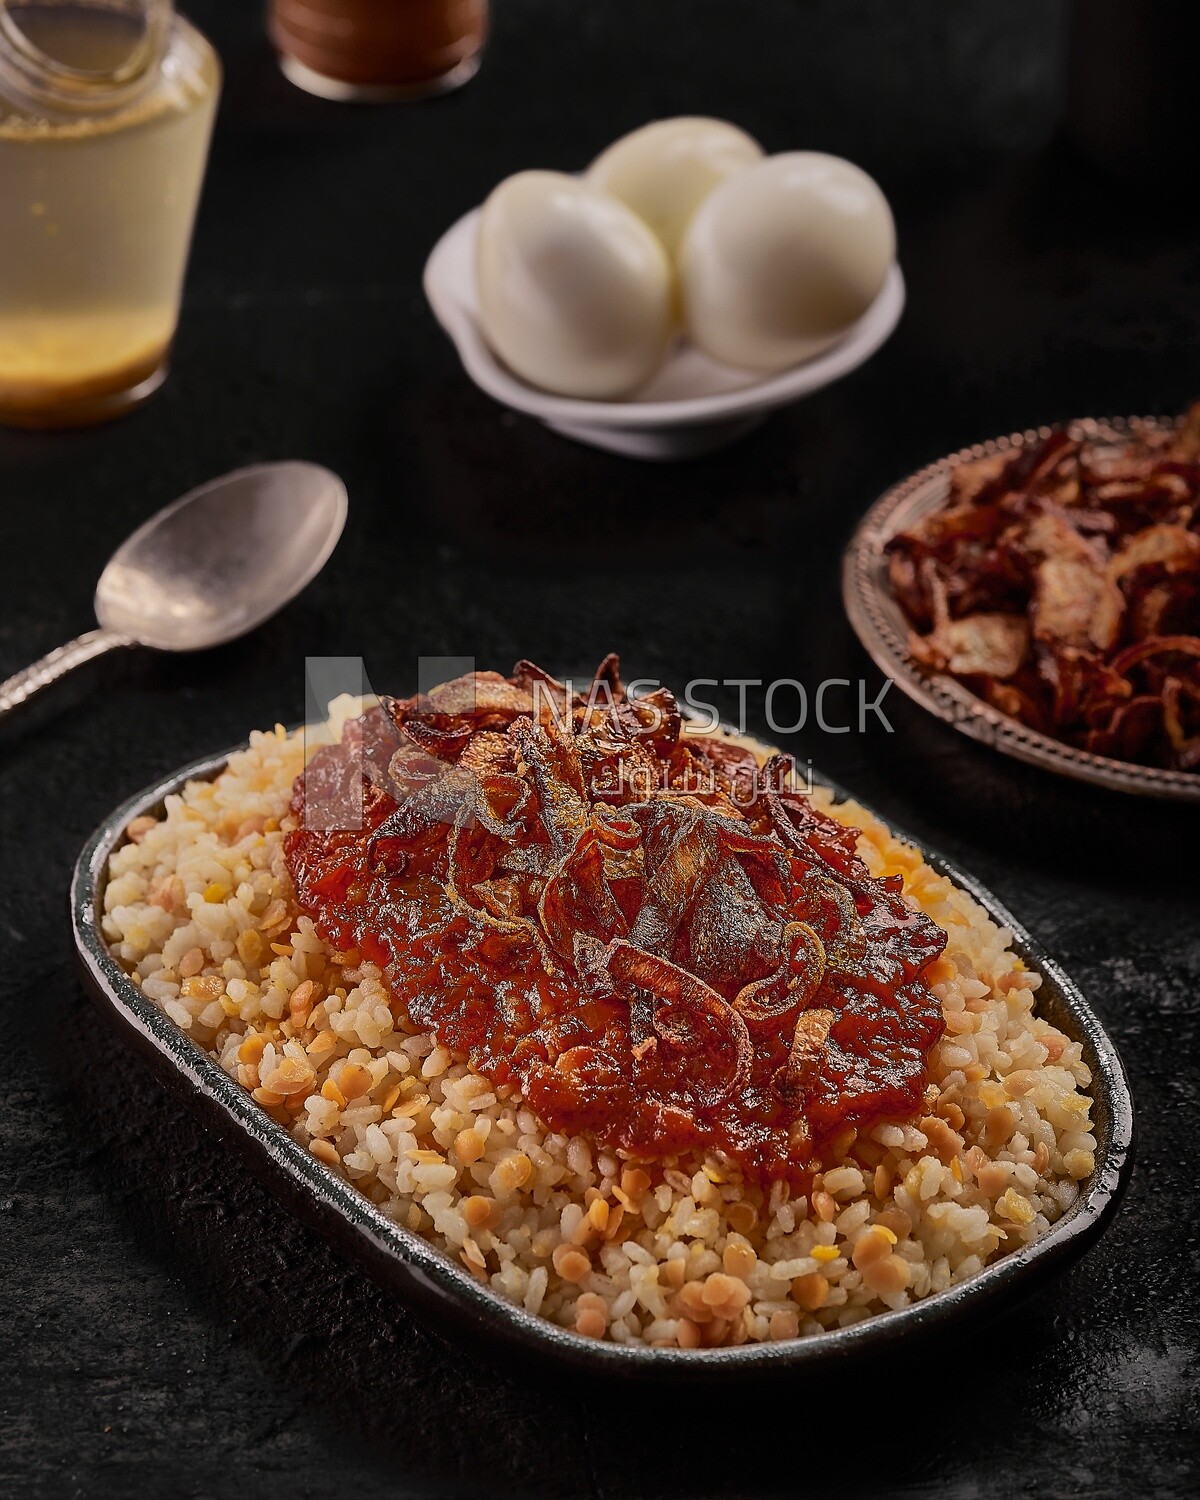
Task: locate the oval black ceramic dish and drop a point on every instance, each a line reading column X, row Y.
column 445, row 1292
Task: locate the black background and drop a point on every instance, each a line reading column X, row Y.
column 169, row 1330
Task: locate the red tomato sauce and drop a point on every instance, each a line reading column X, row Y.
column 690, row 958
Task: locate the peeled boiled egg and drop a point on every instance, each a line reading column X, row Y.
column 666, row 169
column 574, row 290
column 783, row 257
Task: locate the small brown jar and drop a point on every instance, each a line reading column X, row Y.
column 377, row 50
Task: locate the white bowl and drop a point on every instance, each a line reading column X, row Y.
column 691, row 405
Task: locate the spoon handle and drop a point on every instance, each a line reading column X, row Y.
column 56, row 664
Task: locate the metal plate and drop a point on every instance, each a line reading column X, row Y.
column 443, row 1290
column 880, row 625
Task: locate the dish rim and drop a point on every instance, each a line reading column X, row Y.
column 879, row 623
column 461, row 324
column 418, row 1264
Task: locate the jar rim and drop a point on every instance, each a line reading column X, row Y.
column 48, row 80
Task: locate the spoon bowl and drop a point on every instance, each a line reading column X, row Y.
column 181, row 583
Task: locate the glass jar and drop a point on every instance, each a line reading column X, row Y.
column 106, row 108
column 378, row 50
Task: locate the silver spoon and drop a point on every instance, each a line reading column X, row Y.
column 207, row 569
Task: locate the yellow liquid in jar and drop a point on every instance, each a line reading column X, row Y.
column 97, row 215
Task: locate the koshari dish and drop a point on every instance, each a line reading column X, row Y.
column 1062, row 584
column 650, row 937
column 649, row 1042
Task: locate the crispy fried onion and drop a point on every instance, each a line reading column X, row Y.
column 808, row 1046
column 577, row 898
column 686, row 1013
column 1047, row 572
column 552, row 762
column 485, row 916
column 459, row 795
column 991, row 644
column 794, row 983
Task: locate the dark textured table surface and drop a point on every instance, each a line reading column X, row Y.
column 168, row 1329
